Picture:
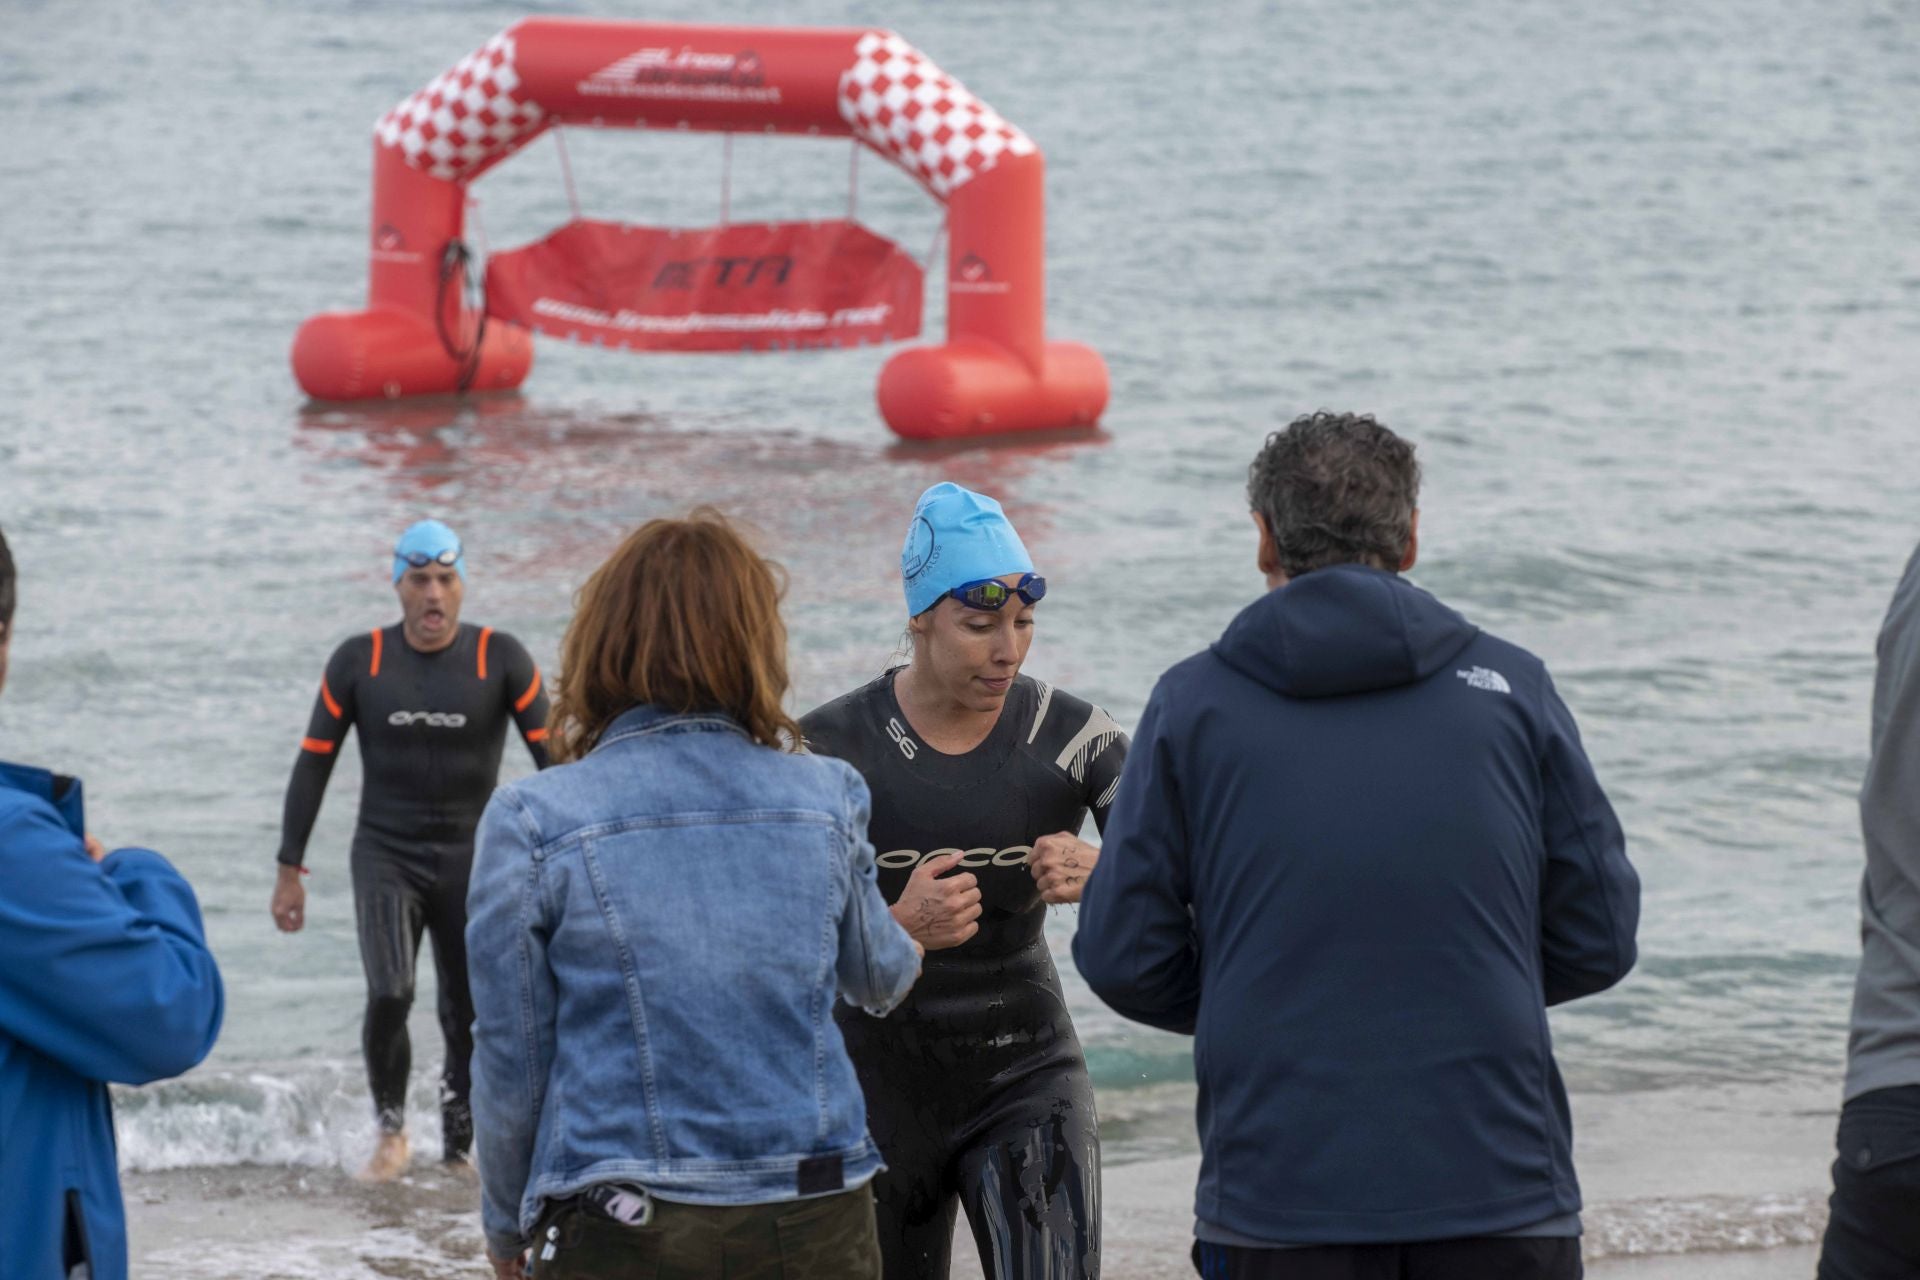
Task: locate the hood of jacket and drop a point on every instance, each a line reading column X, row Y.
column 1341, row 630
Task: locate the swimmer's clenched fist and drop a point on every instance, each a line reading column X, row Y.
column 1060, row 865
column 938, row 913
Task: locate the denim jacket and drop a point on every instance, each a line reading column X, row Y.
column 655, row 937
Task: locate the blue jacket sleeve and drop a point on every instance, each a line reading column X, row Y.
column 877, row 963
column 1135, row 946
column 1589, row 893
column 514, row 1010
column 105, row 969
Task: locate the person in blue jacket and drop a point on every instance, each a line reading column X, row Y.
column 1356, row 853
column 104, row 976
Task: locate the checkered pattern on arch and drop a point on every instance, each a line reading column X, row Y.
column 468, row 117
column 921, row 118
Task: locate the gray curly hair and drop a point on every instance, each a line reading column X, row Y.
column 1336, row 488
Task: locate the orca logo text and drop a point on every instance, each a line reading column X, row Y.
column 985, row 856
column 432, row 719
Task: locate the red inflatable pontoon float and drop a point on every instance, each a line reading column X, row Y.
column 735, row 287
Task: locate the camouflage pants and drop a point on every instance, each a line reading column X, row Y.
column 831, row 1238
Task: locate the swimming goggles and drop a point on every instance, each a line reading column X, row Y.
column 420, row 559
column 991, row 593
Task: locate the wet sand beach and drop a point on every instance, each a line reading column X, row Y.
column 1663, row 1204
column 265, row 1224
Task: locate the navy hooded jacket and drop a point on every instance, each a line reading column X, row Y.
column 104, row 975
column 1356, row 852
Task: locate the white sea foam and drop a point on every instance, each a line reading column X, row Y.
column 315, row 1115
column 1702, row 1224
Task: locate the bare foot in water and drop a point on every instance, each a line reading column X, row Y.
column 389, row 1159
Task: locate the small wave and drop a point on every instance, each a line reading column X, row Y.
column 1542, row 586
column 1129, row 1064
column 319, row 1118
column 1703, row 1224
column 316, row 1116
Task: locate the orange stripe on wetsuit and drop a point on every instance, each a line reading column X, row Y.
column 322, row 746
column 525, row 700
column 486, row 634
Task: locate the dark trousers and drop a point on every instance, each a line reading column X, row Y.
column 1873, row 1230
column 400, row 893
column 1475, row 1258
column 831, row 1238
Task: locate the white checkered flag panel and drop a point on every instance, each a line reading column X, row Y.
column 896, row 100
column 470, row 115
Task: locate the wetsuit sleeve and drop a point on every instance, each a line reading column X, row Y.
column 514, row 1011
column 817, row 735
column 1135, row 946
column 877, row 964
column 1589, row 894
column 1103, row 780
column 527, row 693
column 326, row 730
column 105, row 969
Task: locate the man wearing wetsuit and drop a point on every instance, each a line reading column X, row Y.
column 977, row 1092
column 431, row 697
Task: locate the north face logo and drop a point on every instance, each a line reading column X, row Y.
column 1486, row 678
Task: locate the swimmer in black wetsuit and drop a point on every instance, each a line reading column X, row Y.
column 977, row 1092
column 432, row 698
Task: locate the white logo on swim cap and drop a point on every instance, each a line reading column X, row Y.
column 922, row 549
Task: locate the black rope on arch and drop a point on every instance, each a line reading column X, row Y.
column 457, row 262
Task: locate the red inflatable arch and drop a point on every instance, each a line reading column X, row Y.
column 996, row 372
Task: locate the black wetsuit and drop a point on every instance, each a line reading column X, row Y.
column 432, row 728
column 976, row 1088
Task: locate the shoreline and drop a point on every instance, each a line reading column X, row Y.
column 1727, row 1185
column 258, row 1223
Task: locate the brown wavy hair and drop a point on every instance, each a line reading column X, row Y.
column 685, row 616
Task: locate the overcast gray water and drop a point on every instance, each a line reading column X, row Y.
column 1641, row 280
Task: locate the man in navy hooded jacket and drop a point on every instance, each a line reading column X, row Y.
column 1357, row 852
column 104, row 975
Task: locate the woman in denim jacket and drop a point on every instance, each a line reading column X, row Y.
column 657, row 929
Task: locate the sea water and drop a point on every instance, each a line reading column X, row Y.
column 1641, row 281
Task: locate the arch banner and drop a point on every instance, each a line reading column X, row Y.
column 763, row 286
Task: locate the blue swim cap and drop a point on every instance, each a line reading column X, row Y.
column 427, row 541
column 956, row 536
